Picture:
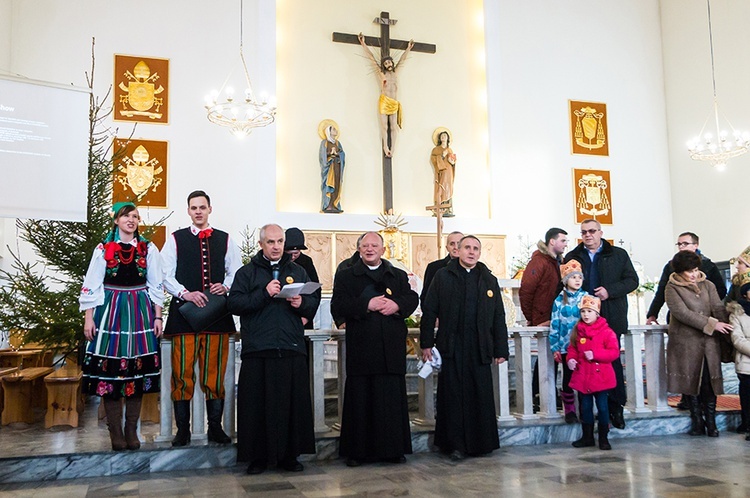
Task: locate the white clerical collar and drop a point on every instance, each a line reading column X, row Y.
column 195, row 230
column 374, row 267
column 272, row 262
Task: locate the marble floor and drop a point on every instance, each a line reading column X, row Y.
column 647, row 466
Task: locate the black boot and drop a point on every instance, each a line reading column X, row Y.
column 182, row 417
column 709, row 411
column 214, row 410
column 603, row 441
column 684, row 403
column 696, row 417
column 588, row 437
column 616, row 416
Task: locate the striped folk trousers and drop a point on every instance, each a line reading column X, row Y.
column 211, row 352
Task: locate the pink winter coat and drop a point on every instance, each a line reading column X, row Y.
column 597, row 374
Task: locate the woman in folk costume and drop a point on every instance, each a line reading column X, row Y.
column 122, row 299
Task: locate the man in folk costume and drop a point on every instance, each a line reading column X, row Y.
column 471, row 337
column 373, row 298
column 274, row 407
column 198, row 260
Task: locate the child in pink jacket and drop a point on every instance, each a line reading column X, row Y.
column 593, row 348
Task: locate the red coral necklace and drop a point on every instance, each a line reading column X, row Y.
column 126, row 255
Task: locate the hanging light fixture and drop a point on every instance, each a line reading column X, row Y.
column 725, row 144
column 243, row 113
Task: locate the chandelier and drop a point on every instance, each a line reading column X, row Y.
column 243, row 113
column 724, row 145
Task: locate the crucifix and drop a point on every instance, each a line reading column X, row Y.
column 389, row 107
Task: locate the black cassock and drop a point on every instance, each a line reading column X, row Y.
column 375, row 419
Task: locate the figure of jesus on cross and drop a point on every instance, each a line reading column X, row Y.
column 389, row 107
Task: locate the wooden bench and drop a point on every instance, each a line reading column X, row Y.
column 3, row 373
column 64, row 400
column 23, row 391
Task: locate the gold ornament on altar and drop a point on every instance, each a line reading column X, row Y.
column 589, row 128
column 396, row 242
column 592, row 196
column 140, row 172
column 143, row 96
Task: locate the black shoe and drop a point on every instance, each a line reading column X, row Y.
column 587, row 438
column 457, row 456
column 742, row 428
column 684, row 403
column 351, row 462
column 571, row 418
column 256, row 468
column 217, row 435
column 182, row 418
column 616, row 417
column 291, row 465
column 214, row 411
column 398, row 459
column 747, row 436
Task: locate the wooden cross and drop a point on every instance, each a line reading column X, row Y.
column 385, row 43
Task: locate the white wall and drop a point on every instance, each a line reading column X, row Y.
column 542, row 53
column 712, row 204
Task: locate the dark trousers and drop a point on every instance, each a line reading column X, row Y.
column 619, row 395
column 744, row 397
column 586, row 402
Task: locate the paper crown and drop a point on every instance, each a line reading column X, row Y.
column 744, row 278
column 591, row 303
column 745, row 256
column 570, row 268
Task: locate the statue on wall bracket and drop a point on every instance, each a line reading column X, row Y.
column 443, row 162
column 332, row 161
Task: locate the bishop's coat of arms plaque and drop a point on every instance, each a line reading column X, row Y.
column 140, row 172
column 141, row 89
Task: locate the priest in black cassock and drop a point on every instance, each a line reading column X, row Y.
column 373, row 298
column 465, row 298
column 274, row 407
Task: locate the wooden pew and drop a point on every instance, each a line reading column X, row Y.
column 64, row 400
column 3, row 373
column 24, row 391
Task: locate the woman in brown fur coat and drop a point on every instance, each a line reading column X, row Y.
column 694, row 351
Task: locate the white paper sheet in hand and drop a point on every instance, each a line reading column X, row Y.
column 291, row 290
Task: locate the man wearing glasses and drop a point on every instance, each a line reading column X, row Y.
column 687, row 241
column 609, row 275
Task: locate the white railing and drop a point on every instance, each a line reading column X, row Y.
column 643, row 345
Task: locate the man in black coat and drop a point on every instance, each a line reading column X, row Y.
column 373, row 298
column 609, row 275
column 274, row 407
column 471, row 337
column 687, row 241
column 451, row 245
column 294, row 244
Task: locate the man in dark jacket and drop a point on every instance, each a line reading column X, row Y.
column 373, row 298
column 294, row 244
column 451, row 245
column 687, row 241
column 471, row 337
column 609, row 275
column 274, row 408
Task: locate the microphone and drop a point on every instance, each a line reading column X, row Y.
column 275, row 271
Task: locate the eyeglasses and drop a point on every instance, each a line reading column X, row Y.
column 685, row 244
column 590, row 231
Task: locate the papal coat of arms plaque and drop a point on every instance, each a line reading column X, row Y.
column 141, row 89
column 588, row 128
column 592, row 195
column 140, row 172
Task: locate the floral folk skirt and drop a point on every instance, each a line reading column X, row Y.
column 123, row 359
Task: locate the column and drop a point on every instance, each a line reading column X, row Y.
column 633, row 342
column 524, row 399
column 317, row 379
column 165, row 397
column 656, row 368
column 547, row 366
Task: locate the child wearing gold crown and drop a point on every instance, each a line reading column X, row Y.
column 740, row 320
column 565, row 314
column 593, row 348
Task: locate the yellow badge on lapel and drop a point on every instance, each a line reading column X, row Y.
column 388, row 291
column 583, row 340
column 490, row 293
column 289, row 280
